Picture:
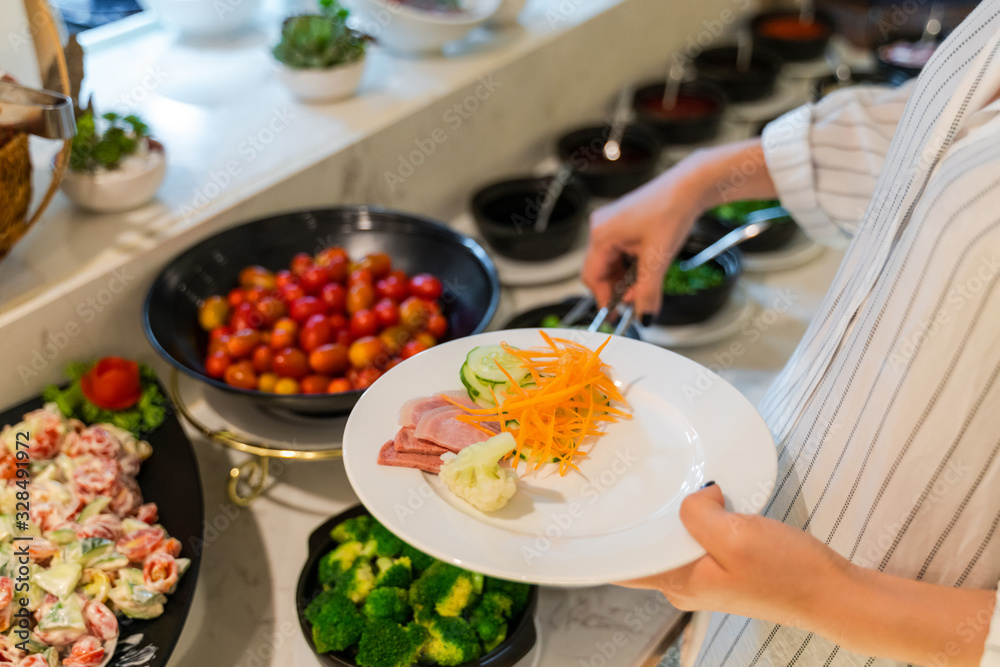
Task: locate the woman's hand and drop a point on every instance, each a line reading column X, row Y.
column 652, row 222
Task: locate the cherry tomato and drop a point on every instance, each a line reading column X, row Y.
column 213, row 313
column 391, row 287
column 241, row 375
column 255, row 294
column 265, row 337
column 271, row 309
column 217, row 363
column 334, row 296
column 286, row 386
column 243, row 343
column 360, row 275
column 363, row 323
column 413, row 347
column 244, row 317
column 338, row 322
column 236, row 296
column 365, row 377
column 328, row 255
column 400, row 275
column 313, row 279
column 257, row 276
column 338, row 385
column 291, row 363
column 393, row 338
column 425, row 286
column 378, row 263
column 263, row 357
column 219, row 344
column 315, row 332
column 300, row 263
column 413, row 313
column 284, row 277
column 224, row 330
column 427, row 339
column 387, row 312
column 344, row 337
column 304, row 308
column 291, row 293
column 266, row 382
column 360, row 296
column 337, row 269
column 433, row 306
column 437, row 325
column 365, row 351
column 113, row 383
column 314, row 384
column 284, row 334
column 329, row 359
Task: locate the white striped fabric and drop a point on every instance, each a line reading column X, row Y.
column 887, row 417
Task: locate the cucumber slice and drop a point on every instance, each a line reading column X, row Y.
column 483, row 361
column 477, row 391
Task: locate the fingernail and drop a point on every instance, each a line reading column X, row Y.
column 708, row 484
column 647, row 319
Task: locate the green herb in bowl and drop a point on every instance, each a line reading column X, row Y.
column 680, row 282
column 105, row 142
column 736, row 212
column 552, row 322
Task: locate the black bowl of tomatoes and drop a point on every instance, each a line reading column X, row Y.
column 303, row 311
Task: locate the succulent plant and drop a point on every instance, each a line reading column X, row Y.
column 320, row 41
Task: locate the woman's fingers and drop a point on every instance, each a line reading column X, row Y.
column 704, row 515
column 597, row 272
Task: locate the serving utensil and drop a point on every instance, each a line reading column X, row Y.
column 757, row 222
column 555, row 191
column 807, row 13
column 672, row 86
column 40, row 112
column 932, row 28
column 617, row 294
column 836, row 63
column 744, row 51
column 613, row 147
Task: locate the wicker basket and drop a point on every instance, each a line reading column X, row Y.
column 15, row 191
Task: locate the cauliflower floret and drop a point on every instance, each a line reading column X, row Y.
column 476, row 476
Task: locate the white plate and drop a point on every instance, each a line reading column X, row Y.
column 725, row 323
column 800, row 250
column 618, row 517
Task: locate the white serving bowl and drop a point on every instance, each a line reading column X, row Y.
column 122, row 189
column 322, row 85
column 203, row 18
column 508, row 12
column 403, row 29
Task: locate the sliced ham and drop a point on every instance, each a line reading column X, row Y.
column 440, row 427
column 388, row 456
column 406, row 442
column 414, row 409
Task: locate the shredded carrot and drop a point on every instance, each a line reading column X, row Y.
column 569, row 402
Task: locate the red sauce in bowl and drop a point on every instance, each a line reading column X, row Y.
column 790, row 28
column 685, row 107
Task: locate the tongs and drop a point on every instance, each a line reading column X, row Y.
column 757, row 223
column 617, row 294
column 39, row 112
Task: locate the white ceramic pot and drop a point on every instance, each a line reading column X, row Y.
column 131, row 185
column 322, row 85
column 203, row 18
column 403, row 29
column 508, row 12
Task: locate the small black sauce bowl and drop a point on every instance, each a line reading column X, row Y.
column 792, row 50
column 681, row 309
column 583, row 149
column 505, row 214
column 718, row 66
column 521, row 636
column 823, row 86
column 532, row 319
column 682, row 129
column 775, row 237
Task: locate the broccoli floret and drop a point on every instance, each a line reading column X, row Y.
column 337, row 623
column 388, row 603
column 388, row 644
column 489, row 619
column 518, row 593
column 446, row 589
column 475, row 474
column 396, row 573
column 418, row 558
column 338, row 561
column 382, row 543
column 356, row 529
column 312, row 610
column 452, row 641
column 357, row 582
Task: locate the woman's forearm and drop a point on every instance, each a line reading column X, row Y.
column 874, row 613
column 731, row 172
